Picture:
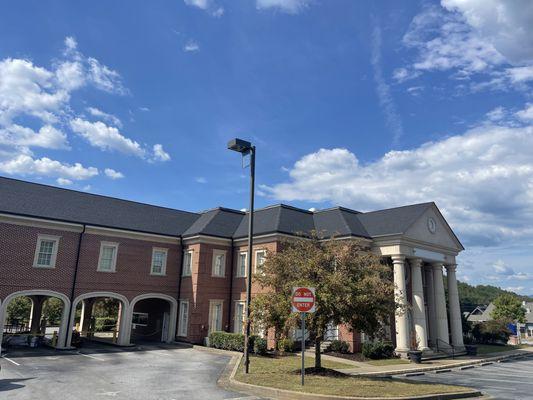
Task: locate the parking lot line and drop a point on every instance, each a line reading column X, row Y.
column 87, row 355
column 10, row 360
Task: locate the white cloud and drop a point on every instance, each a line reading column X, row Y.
column 106, row 137
column 95, row 112
column 47, row 137
column 386, row 101
column 516, row 289
column 507, row 25
column 25, row 165
column 527, row 113
column 159, row 154
column 486, row 38
column 64, row 181
column 208, row 6
column 482, row 180
column 191, row 46
column 112, row 174
column 287, row 6
column 200, row 179
column 70, row 44
column 496, row 114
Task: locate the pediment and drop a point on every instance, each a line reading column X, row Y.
column 432, row 228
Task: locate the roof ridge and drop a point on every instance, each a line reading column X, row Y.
column 281, row 205
column 350, row 210
column 220, row 208
column 395, row 208
column 96, row 195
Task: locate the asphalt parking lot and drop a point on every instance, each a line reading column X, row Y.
column 512, row 379
column 156, row 372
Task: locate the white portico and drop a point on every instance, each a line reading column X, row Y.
column 420, row 254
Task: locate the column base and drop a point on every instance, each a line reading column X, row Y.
column 402, row 352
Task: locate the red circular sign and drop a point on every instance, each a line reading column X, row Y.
column 303, row 299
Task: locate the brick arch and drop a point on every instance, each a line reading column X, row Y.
column 123, row 337
column 173, row 303
column 63, row 329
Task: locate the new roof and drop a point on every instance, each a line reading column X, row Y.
column 42, row 201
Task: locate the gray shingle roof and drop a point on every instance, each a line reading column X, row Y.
column 36, row 200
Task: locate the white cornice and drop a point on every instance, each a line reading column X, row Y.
column 207, row 239
column 151, row 237
column 40, row 223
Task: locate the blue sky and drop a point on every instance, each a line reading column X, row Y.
column 364, row 104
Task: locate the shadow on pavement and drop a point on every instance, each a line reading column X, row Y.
column 11, row 384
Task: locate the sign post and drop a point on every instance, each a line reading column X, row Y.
column 303, row 301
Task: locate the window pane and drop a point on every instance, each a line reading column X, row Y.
column 46, row 250
column 158, row 262
column 242, row 265
column 106, row 261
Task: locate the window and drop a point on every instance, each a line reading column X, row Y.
column 215, row 315
column 219, row 263
column 184, row 318
column 238, row 322
column 46, row 251
column 241, row 267
column 187, row 263
column 159, row 261
column 108, row 257
column 260, row 257
column 139, row 319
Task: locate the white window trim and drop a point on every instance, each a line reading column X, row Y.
column 183, row 329
column 255, row 257
column 212, row 303
column 237, row 274
column 115, row 256
column 191, row 252
column 164, row 267
column 53, row 259
column 217, row 252
column 237, row 303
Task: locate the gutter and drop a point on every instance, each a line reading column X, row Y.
column 179, row 287
column 72, row 291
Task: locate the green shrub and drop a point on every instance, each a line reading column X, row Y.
column 378, row 350
column 339, row 346
column 260, row 346
column 226, row 341
column 491, row 332
column 286, row 345
column 104, row 324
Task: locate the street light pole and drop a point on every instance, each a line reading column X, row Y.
column 249, row 260
column 244, row 147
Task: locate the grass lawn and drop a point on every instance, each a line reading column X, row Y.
column 496, row 348
column 284, row 373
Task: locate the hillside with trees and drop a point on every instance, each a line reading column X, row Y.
column 472, row 296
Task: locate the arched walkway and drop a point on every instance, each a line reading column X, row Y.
column 63, row 328
column 170, row 324
column 123, row 330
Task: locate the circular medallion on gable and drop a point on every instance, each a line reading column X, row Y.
column 432, row 225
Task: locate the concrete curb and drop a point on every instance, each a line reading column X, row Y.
column 227, row 381
column 468, row 363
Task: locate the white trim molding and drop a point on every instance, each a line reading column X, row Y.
column 113, row 267
column 53, row 255
column 163, row 271
column 173, row 310
column 219, row 253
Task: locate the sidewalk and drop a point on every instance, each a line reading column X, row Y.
column 364, row 369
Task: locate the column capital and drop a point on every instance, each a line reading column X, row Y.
column 437, row 265
column 451, row 267
column 415, row 262
column 398, row 258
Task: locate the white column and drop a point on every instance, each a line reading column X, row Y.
column 64, row 328
column 430, row 300
column 124, row 330
column 456, row 324
column 400, row 294
column 440, row 305
column 419, row 310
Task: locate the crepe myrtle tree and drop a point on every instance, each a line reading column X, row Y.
column 353, row 287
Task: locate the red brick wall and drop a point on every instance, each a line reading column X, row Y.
column 132, row 276
column 17, row 251
column 353, row 338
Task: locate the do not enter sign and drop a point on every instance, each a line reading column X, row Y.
column 303, row 299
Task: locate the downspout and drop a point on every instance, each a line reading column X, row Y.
column 72, row 292
column 230, row 305
column 179, row 286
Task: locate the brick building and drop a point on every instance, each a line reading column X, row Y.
column 180, row 275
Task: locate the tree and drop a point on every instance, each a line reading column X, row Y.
column 52, row 310
column 19, row 309
column 353, row 287
column 508, row 308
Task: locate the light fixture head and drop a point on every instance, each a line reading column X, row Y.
column 239, row 145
